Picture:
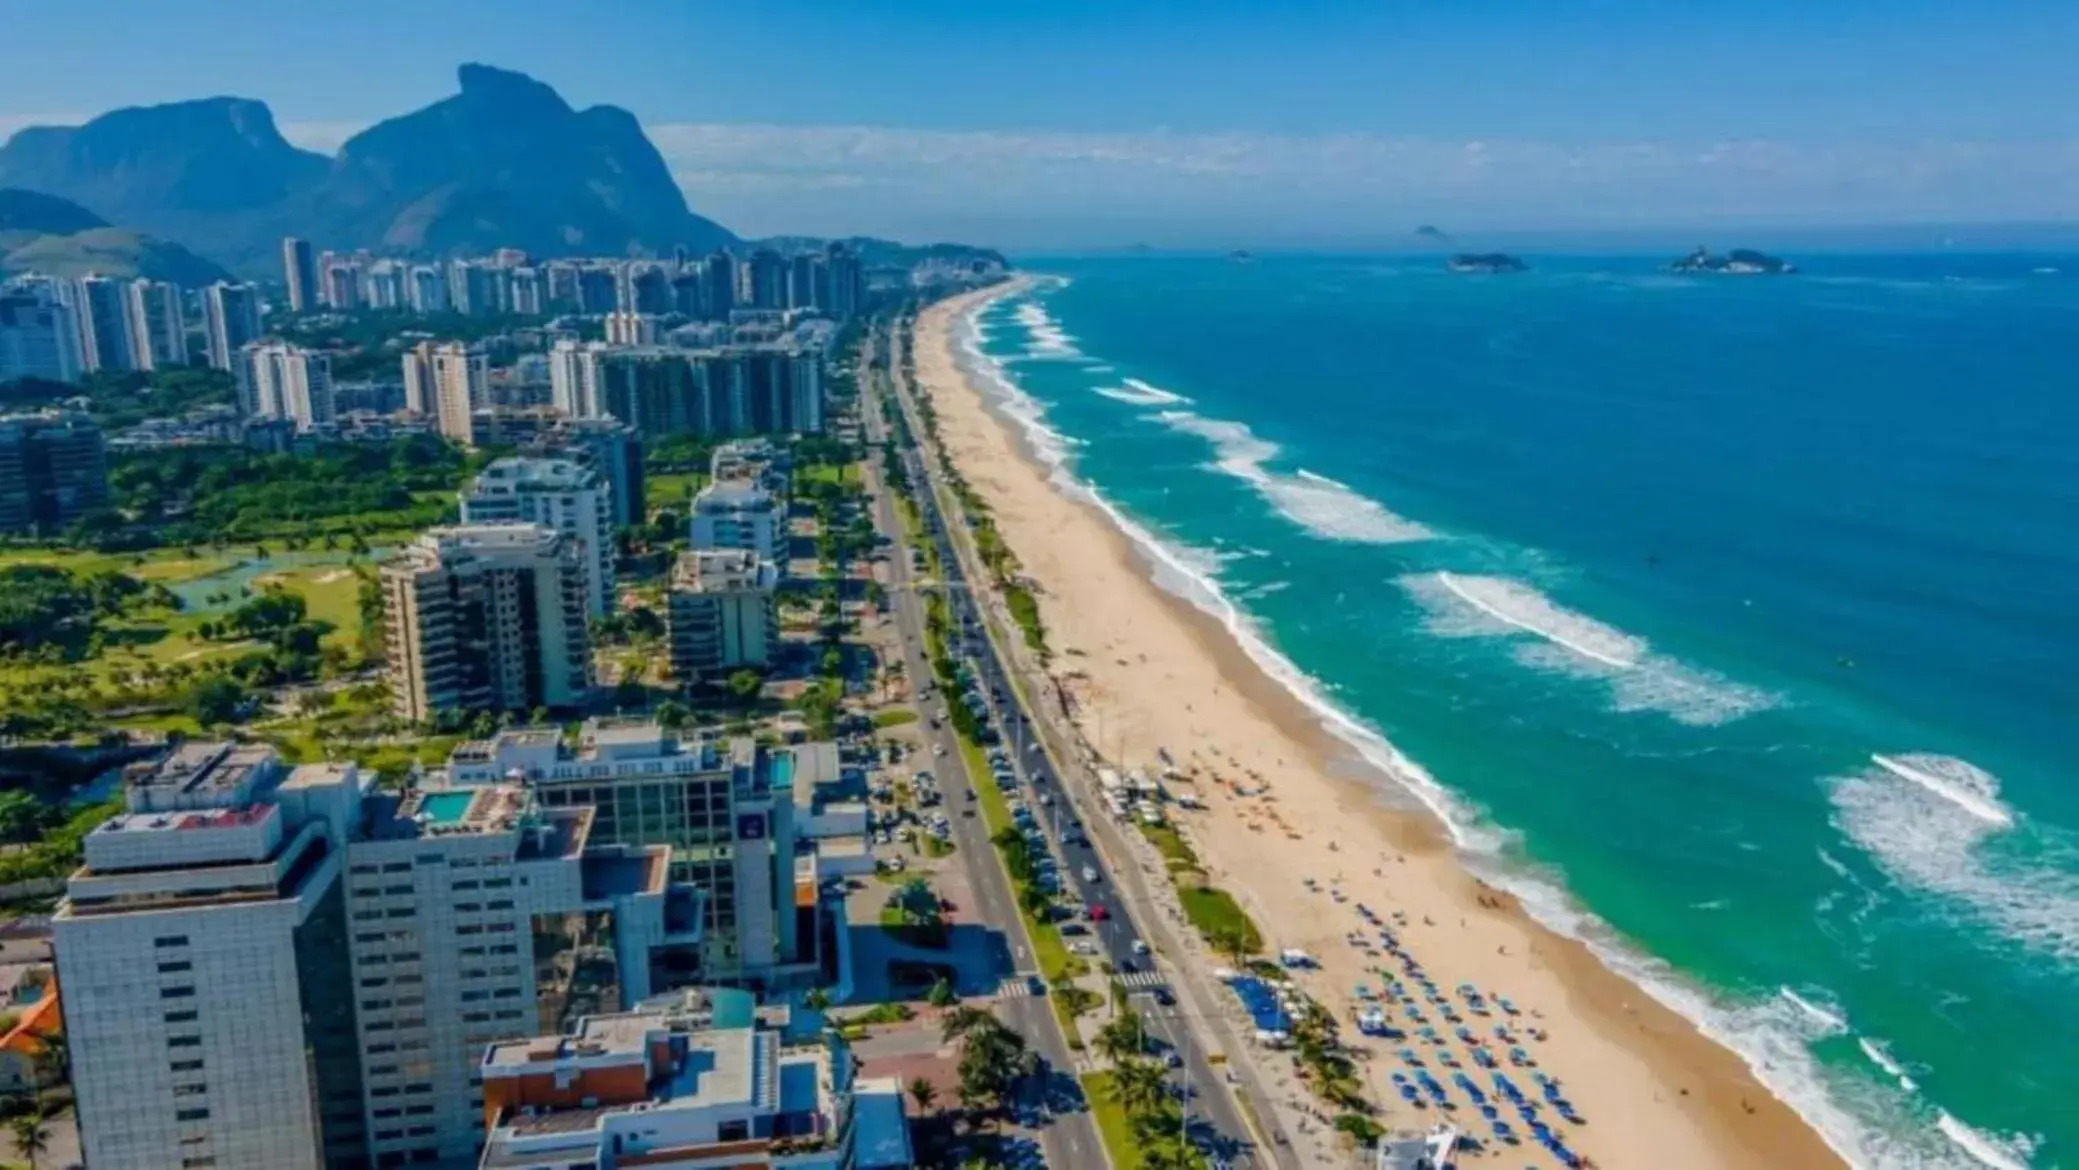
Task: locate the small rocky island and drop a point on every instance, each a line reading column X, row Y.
column 1487, row 262
column 1738, row 262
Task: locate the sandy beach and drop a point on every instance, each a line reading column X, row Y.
column 1287, row 802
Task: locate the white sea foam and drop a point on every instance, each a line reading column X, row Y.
column 1138, row 393
column 2012, row 1153
column 1771, row 1037
column 1881, row 1056
column 1563, row 641
column 1829, row 1019
column 1047, row 338
column 1969, row 788
column 1050, row 446
column 1925, row 837
column 1316, row 503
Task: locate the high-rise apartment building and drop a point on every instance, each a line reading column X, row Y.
column 418, row 379
column 268, row 969
column 207, row 1013
column 39, row 335
column 158, row 327
column 280, row 380
column 561, row 495
column 738, row 514
column 718, row 277
column 486, row 618
column 230, row 317
column 475, row 914
column 719, row 392
column 527, row 295
column 342, row 286
column 426, row 289
column 53, row 470
column 384, row 285
column 728, row 811
column 102, row 305
column 767, row 278
column 721, row 613
column 847, row 279
column 612, row 450
column 461, row 386
column 630, row 328
column 574, row 377
column 598, row 290
column 300, row 274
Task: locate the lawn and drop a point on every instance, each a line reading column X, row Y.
column 895, row 717
column 331, row 594
column 1112, row 1125
column 1171, row 844
column 1216, row 914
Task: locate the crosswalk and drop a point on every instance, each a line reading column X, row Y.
column 1018, row 987
column 1141, row 980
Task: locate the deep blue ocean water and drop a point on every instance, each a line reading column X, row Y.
column 1735, row 621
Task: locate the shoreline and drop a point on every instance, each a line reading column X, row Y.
column 1657, row 1090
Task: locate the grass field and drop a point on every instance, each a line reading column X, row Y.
column 1216, row 914
column 1171, row 844
column 1112, row 1125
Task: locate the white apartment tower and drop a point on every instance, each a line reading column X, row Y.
column 722, row 613
column 561, row 495
column 158, row 329
column 230, row 317
column 574, row 378
column 206, row 1010
column 461, row 385
column 739, row 514
column 279, row 380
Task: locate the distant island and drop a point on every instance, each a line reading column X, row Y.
column 1487, row 262
column 1738, row 262
column 1240, row 256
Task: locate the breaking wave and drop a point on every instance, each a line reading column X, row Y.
column 1316, row 503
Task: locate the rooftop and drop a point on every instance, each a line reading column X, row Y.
column 481, row 810
column 533, row 473
column 199, row 775
column 723, row 570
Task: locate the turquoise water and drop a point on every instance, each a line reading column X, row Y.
column 1731, row 622
column 446, row 808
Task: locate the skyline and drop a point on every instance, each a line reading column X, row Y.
column 1351, row 126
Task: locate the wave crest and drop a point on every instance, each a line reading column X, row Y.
column 1316, row 503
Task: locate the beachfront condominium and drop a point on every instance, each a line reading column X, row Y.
column 53, row 470
column 486, row 617
column 561, row 495
column 610, row 448
column 207, row 1010
column 739, row 514
column 687, row 1084
column 475, row 914
column 461, row 385
column 39, row 335
column 230, row 318
column 280, row 380
column 726, row 809
column 293, row 969
column 300, row 274
column 722, row 614
column 158, row 328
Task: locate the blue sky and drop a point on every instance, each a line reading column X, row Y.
column 1051, row 124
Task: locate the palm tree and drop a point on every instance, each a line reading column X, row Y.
column 1121, row 1038
column 32, row 1138
column 924, row 1093
column 1141, row 1086
column 964, row 1020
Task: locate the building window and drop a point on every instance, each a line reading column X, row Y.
column 171, row 940
column 176, row 993
column 191, row 1115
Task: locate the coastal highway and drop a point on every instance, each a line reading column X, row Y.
column 1173, row 1014
column 1069, row 1140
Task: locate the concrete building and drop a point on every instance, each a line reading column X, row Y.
column 765, row 274
column 486, row 618
column 631, row 328
column 668, row 1088
column 847, row 283
column 280, row 380
column 53, row 470
column 461, row 386
column 418, row 379
column 300, row 274
column 718, row 285
column 102, row 307
column 726, row 810
column 39, row 335
column 561, row 495
column 426, row 289
column 477, row 914
column 208, row 1014
column 574, row 377
column 739, row 514
column 230, row 317
column 722, row 613
column 612, row 450
column 158, row 327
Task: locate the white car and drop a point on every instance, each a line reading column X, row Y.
column 938, row 749
column 1139, row 947
column 1089, row 873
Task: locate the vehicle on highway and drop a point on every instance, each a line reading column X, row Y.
column 1140, row 947
column 1097, row 913
column 1089, row 873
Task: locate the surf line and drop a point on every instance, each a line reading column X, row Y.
column 1955, row 794
column 1451, row 583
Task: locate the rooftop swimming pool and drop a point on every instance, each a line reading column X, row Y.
column 446, row 808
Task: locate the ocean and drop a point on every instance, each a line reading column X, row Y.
column 1731, row 622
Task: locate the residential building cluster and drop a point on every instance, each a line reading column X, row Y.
column 282, row 968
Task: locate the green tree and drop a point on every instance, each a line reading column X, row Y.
column 673, row 714
column 924, row 1093
column 216, row 699
column 942, row 994
column 1123, row 1037
column 745, row 686
column 23, row 818
column 32, row 1138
